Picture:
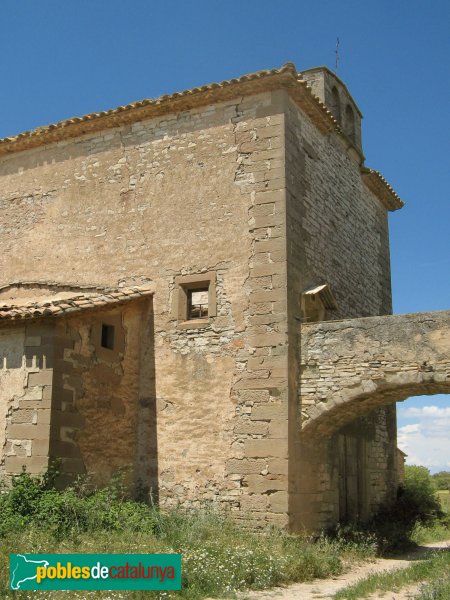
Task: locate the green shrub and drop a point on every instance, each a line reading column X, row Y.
column 32, row 500
column 417, row 499
column 415, row 517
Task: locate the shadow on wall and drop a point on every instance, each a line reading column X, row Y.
column 146, row 485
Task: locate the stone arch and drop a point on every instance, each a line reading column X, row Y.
column 359, row 401
column 351, row 367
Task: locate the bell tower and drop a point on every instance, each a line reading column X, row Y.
column 330, row 90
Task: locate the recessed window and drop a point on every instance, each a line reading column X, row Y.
column 107, row 340
column 197, row 303
column 336, row 104
column 194, row 300
column 350, row 123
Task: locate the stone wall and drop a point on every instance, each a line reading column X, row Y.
column 180, row 195
column 337, row 233
column 248, row 195
column 99, row 404
column 65, row 396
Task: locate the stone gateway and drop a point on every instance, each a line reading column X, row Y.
column 195, row 290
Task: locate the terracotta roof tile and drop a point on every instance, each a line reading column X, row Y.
column 79, row 302
column 381, row 188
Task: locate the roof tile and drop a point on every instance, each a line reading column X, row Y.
column 79, row 302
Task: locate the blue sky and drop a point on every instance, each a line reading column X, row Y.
column 66, row 58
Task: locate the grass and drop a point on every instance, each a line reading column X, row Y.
column 432, row 570
column 444, row 499
column 219, row 557
column 437, row 530
column 438, row 590
column 432, row 532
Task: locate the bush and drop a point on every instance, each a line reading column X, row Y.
column 34, row 500
column 417, row 498
column 416, row 516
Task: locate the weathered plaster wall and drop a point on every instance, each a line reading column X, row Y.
column 12, row 376
column 196, row 192
column 25, row 394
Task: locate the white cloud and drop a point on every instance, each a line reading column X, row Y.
column 427, row 442
column 434, row 421
column 406, row 429
column 426, row 412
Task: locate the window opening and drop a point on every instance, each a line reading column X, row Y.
column 107, row 336
column 350, row 122
column 197, row 304
column 336, row 107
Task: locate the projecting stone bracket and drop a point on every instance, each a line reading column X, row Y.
column 351, row 367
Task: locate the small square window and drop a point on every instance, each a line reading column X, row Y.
column 194, row 300
column 107, row 340
column 197, row 303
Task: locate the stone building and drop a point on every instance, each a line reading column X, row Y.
column 193, row 290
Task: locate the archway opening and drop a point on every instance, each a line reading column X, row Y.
column 354, row 449
column 423, row 425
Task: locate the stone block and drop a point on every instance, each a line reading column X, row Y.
column 252, row 427
column 252, row 502
column 40, row 447
column 278, row 502
column 27, row 431
column 33, row 464
column 267, row 221
column 270, row 197
column 33, row 393
column 253, row 396
column 262, row 484
column 278, row 429
column 269, row 339
column 23, row 416
column 270, row 245
column 244, row 466
column 254, row 384
column 44, row 416
column 269, row 269
column 267, row 412
column 43, row 377
column 265, row 448
column 278, row 466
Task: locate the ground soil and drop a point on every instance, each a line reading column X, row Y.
column 324, row 589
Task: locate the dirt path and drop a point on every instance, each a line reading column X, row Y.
column 324, row 589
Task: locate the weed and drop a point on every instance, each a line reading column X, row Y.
column 430, row 570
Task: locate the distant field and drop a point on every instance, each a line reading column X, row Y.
column 444, row 498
